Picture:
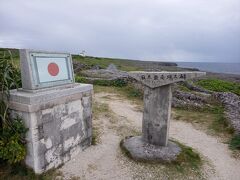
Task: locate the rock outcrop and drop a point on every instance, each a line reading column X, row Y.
column 231, row 104
column 187, row 99
column 111, row 73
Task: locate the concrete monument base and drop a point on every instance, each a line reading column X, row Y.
column 139, row 150
column 59, row 120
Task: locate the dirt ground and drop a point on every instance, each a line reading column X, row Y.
column 106, row 161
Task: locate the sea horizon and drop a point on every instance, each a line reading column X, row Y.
column 217, row 67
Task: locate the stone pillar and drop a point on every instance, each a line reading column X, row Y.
column 156, row 115
column 153, row 145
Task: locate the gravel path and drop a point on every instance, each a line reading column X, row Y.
column 100, row 162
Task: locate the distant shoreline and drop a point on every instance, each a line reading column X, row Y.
column 226, row 68
column 233, row 77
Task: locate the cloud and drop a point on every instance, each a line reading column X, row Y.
column 170, row 30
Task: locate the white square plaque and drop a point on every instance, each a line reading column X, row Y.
column 45, row 69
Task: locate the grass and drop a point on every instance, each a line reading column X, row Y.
column 235, row 142
column 102, row 110
column 183, row 88
column 219, row 85
column 220, row 123
column 211, row 119
column 124, row 65
column 21, row 172
column 98, row 110
column 95, row 136
column 14, row 53
column 188, row 158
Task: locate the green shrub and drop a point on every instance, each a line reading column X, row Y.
column 133, row 92
column 12, row 142
column 235, row 142
column 12, row 131
column 81, row 79
column 20, row 171
column 219, row 85
column 119, row 83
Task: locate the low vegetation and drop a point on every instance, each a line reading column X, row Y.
column 183, row 88
column 235, row 142
column 219, row 85
column 20, row 172
column 188, row 158
column 12, row 130
column 124, row 65
column 215, row 119
column 212, row 120
column 98, row 110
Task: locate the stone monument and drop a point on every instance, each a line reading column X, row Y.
column 154, row 144
column 56, row 110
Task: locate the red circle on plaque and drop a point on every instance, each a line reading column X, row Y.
column 53, row 69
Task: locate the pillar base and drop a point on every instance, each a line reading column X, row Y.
column 142, row 151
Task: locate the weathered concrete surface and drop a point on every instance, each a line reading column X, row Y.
column 140, row 150
column 156, row 79
column 156, row 115
column 59, row 122
column 22, row 98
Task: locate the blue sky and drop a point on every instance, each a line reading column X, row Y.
column 164, row 30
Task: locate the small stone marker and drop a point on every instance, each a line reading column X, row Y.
column 154, row 144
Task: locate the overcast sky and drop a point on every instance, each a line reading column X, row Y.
column 169, row 30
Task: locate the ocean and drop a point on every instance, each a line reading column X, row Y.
column 228, row 68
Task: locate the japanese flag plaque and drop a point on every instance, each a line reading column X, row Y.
column 45, row 69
